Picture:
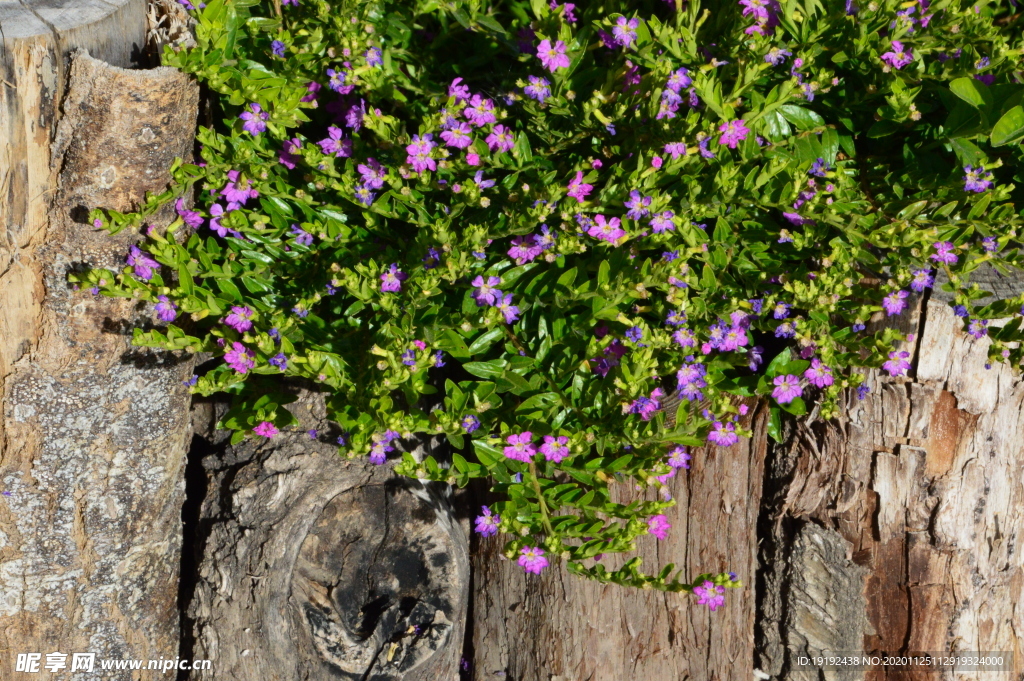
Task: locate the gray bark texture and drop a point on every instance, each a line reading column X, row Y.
column 316, row 567
column 894, row 528
column 92, row 433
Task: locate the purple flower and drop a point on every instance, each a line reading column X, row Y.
column 439, row 359
column 470, row 423
column 756, row 357
column 679, row 458
column 977, row 179
column 776, row 56
column 787, row 388
column 658, row 526
column 553, row 57
column 254, row 119
column 481, row 182
column 239, row 358
column 625, row 31
column 990, row 244
column 785, row 330
column 487, row 524
column 545, row 240
column 532, row 558
column 662, row 222
column 363, row 195
column 897, row 364
column 819, row 375
column 289, row 156
column 337, row 82
column 978, row 328
column 637, row 205
column 373, row 173
column 166, row 311
column 520, row 448
column 480, row 111
column 458, row 90
column 279, row 360
column 862, row 391
column 539, row 88
column 723, row 434
column 922, row 279
column 819, row 168
column 710, row 595
column 419, row 153
column 895, row 302
column 634, row 333
column 458, row 135
column 236, row 192
column 277, row 47
column 334, row 144
column 391, row 280
column 142, row 264
column 944, row 252
column 191, row 218
column 961, row 311
column 500, row 139
column 606, row 230
column 578, row 189
column 510, row 311
column 679, row 80
column 675, row 149
column 374, row 57
column 675, row 318
column 409, row 358
column 302, row 237
column 555, row 448
column 379, row 453
column 486, row 293
column 266, row 429
column 524, row 249
column 684, row 337
column 897, row 57
column 239, row 319
column 781, row 310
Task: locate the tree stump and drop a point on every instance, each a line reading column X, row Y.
column 316, row 567
column 92, row 435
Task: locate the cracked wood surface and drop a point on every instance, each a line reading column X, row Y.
column 92, row 434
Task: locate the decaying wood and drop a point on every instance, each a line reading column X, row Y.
column 92, row 433
column 315, row 567
column 557, row 627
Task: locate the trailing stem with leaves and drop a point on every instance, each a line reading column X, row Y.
column 577, row 241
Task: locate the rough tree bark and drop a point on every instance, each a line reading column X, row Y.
column 894, row 528
column 92, row 435
column 315, row 567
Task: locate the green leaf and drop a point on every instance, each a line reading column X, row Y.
column 492, row 369
column 1009, row 129
column 453, row 344
column 805, row 119
column 487, row 454
column 485, row 341
column 797, row 407
column 972, row 91
column 775, row 424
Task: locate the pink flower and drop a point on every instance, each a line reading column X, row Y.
column 733, row 133
column 710, row 595
column 500, row 139
column 895, row 302
column 723, row 434
column 897, row 57
column 897, row 364
column 679, row 458
column 391, row 280
column 473, row 159
column 659, row 526
column 520, row 448
column 553, row 57
column 487, row 524
column 578, row 189
column 239, row 358
column 555, row 448
column 606, row 230
column 532, row 559
column 239, row 319
column 787, row 388
column 944, row 252
column 266, row 429
column 819, row 375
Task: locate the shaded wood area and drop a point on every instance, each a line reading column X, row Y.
column 92, row 433
column 315, row 567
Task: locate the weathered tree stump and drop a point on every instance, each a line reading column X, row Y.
column 315, row 567
column 894, row 528
column 92, row 435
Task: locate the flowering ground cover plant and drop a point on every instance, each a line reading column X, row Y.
column 574, row 238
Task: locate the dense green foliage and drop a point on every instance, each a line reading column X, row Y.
column 822, row 161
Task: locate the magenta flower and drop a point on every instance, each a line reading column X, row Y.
column 191, row 218
column 977, row 179
column 679, row 458
column 553, row 57
column 659, row 526
column 520, row 448
column 787, row 388
column 524, row 249
column 312, row 89
column 506, row 307
column 606, row 230
column 480, row 111
column 897, row 57
column 539, row 88
column 458, row 136
column 895, row 302
column 335, row 144
column 675, row 149
column 458, row 90
column 578, row 189
column 819, row 375
column 625, row 31
column 487, row 524
column 266, row 429
column 166, row 311
column 486, row 292
column 254, row 119
column 500, row 139
column 555, row 448
column 922, row 279
column 142, row 264
column 419, row 153
column 236, row 192
column 391, row 279
column 733, row 133
column 723, row 434
column 239, row 319
column 944, row 252
column 240, row 358
column 898, row 365
column 289, row 156
column 710, row 595
column 532, row 559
